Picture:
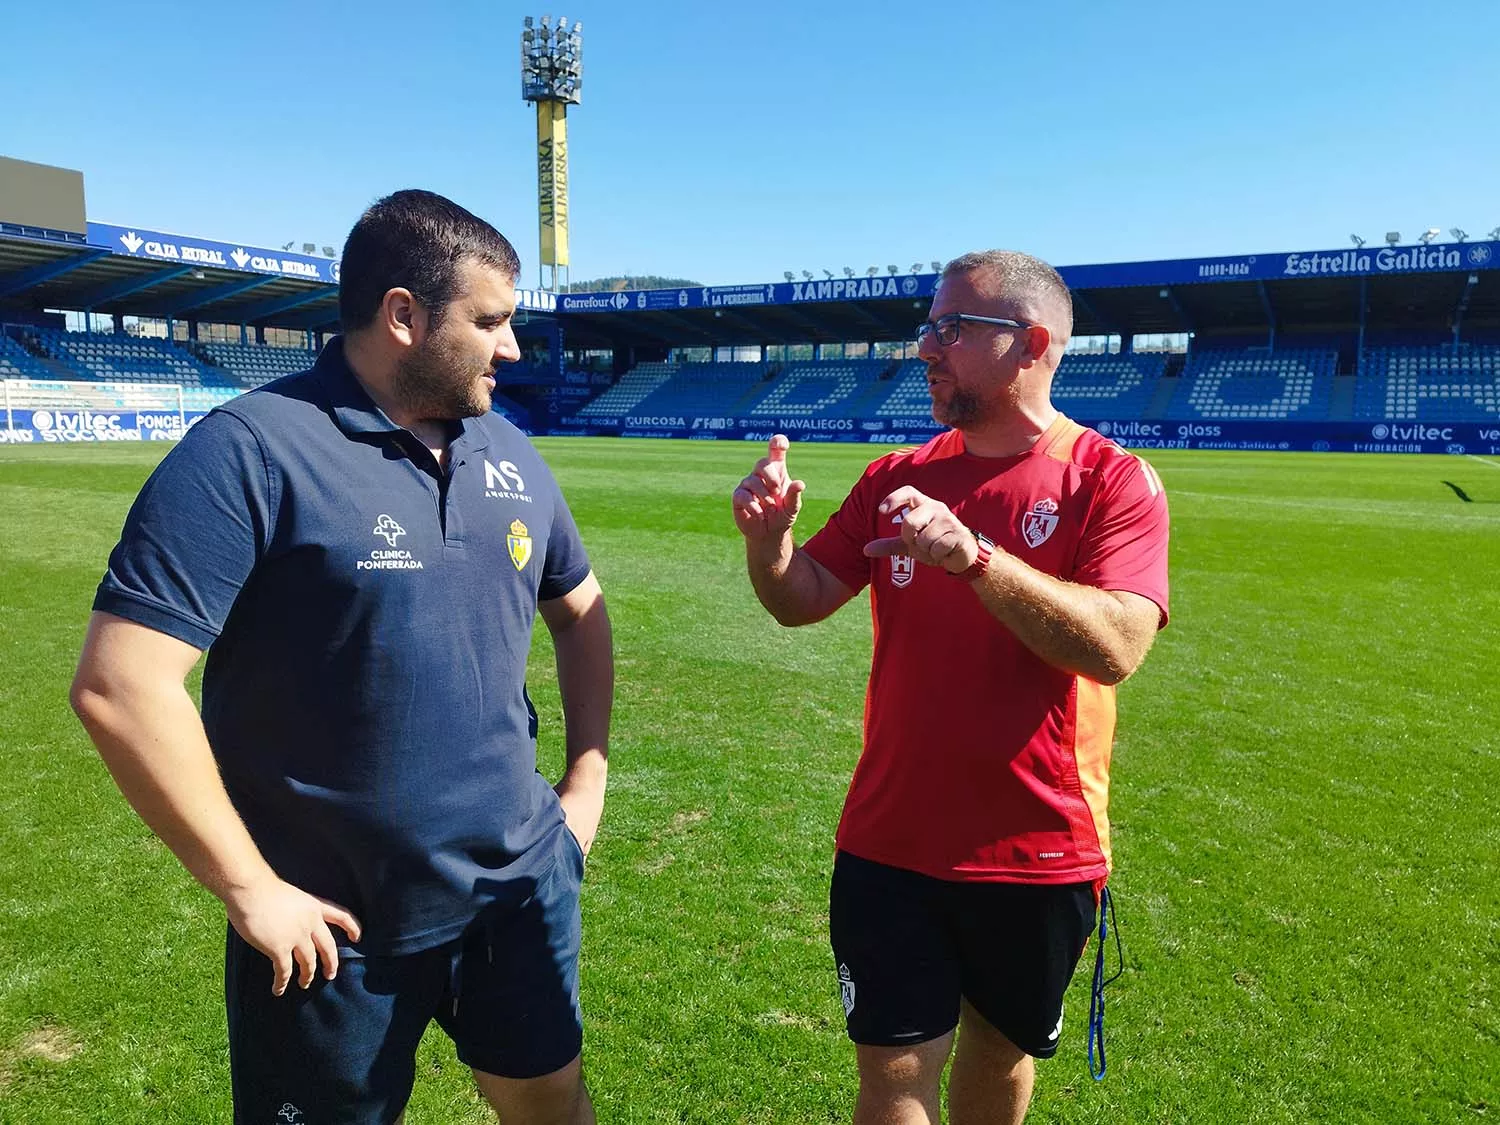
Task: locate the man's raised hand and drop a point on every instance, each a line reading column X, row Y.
column 767, row 501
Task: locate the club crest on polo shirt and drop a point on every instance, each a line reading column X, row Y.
column 1038, row 524
column 518, row 542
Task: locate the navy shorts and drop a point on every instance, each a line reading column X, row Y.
column 345, row 1050
column 907, row 947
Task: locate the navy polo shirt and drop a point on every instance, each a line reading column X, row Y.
column 367, row 617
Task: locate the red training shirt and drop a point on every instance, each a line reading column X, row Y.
column 981, row 761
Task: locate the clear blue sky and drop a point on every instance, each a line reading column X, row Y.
column 728, row 142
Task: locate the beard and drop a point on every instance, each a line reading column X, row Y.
column 963, row 410
column 437, row 381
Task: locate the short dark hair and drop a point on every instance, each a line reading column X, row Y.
column 414, row 240
column 1030, row 282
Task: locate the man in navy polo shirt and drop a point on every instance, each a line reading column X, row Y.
column 363, row 548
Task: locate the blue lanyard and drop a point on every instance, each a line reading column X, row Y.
column 1096, row 992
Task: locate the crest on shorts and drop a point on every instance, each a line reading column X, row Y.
column 846, row 989
column 518, row 542
column 1038, row 524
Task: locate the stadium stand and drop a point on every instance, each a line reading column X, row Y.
column 1430, row 384
column 1256, row 385
column 908, row 397
column 1120, row 386
column 822, row 389
column 17, row 363
column 633, row 386
column 254, row 365
column 704, row 388
column 126, row 359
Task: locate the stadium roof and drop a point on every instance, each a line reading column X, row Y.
column 136, row 272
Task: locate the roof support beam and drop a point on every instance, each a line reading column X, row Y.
column 46, row 271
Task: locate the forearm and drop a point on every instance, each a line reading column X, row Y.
column 152, row 741
column 586, row 682
column 785, row 580
column 1079, row 629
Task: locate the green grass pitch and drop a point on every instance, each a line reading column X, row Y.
column 1305, row 796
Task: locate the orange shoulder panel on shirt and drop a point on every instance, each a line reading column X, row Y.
column 1061, row 437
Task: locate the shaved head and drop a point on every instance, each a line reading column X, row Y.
column 1026, row 287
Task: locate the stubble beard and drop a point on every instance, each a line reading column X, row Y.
column 428, row 383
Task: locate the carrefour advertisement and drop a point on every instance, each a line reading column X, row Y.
column 26, row 427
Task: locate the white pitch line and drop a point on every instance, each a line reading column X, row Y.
column 1483, row 460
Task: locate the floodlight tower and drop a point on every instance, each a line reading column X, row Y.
column 552, row 78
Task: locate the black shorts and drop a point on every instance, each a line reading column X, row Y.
column 907, row 947
column 345, row 1049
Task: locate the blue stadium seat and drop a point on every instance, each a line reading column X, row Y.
column 17, row 363
column 1256, row 385
column 253, row 365
column 126, row 359
column 819, row 389
column 1429, row 384
column 1117, row 386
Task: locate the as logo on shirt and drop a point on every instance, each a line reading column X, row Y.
column 503, row 482
column 519, row 544
column 1038, row 524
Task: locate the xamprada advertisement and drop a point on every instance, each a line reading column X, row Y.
column 1481, row 439
column 1362, row 262
column 37, row 427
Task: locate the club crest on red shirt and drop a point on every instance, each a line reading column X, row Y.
column 1038, row 524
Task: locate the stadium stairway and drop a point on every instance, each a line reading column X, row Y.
column 1341, row 400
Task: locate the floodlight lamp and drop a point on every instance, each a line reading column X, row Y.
column 288, row 245
column 848, row 272
column 916, row 267
column 1393, row 236
column 894, row 270
column 309, row 247
column 872, row 271
column 806, row 276
column 1494, row 233
column 828, row 274
column 328, row 251
column 937, row 267
column 1428, row 235
column 1458, row 233
column 1358, row 242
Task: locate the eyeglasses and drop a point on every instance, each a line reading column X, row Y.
column 946, row 327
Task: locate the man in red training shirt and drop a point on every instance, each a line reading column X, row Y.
column 1017, row 566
